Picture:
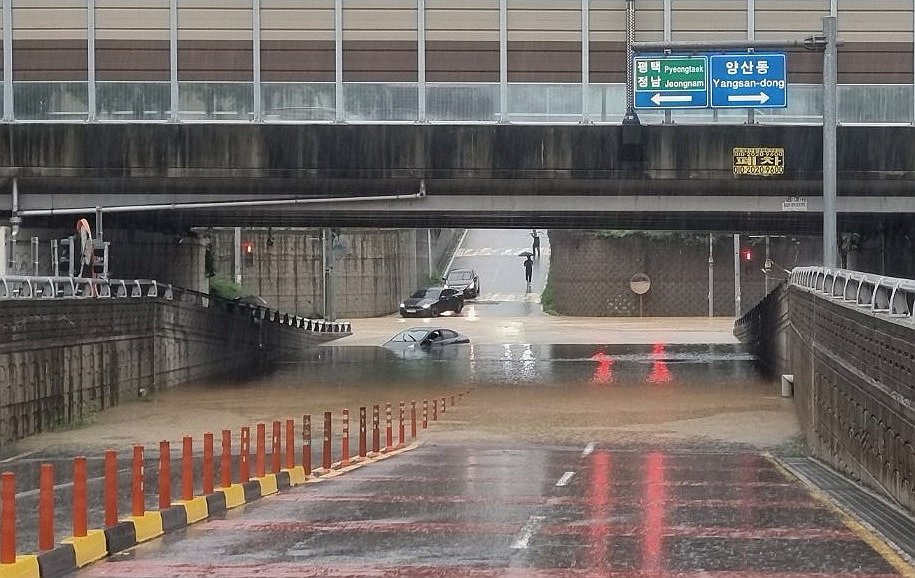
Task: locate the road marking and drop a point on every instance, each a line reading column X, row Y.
column 564, row 480
column 18, row 456
column 588, row 449
column 527, row 532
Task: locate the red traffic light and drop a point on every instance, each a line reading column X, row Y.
column 247, row 248
column 747, row 255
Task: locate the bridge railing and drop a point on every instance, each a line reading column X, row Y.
column 20, row 287
column 880, row 294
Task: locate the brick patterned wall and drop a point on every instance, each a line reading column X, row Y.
column 853, row 383
column 590, row 274
column 64, row 359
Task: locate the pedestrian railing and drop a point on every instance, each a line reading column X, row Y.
column 881, row 295
column 19, row 287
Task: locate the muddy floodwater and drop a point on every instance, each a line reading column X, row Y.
column 701, row 395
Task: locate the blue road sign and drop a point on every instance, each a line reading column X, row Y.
column 748, row 80
column 663, row 82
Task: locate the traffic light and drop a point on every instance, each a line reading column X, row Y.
column 247, row 250
column 746, row 257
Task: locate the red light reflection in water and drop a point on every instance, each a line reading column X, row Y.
column 655, row 498
column 660, row 373
column 598, row 504
column 603, row 373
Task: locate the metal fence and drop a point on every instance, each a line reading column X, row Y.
column 410, row 102
column 15, row 287
column 880, row 295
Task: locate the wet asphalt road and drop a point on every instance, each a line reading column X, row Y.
column 493, row 254
column 453, row 510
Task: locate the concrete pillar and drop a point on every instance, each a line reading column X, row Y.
column 189, row 269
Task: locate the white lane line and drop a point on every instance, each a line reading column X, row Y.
column 527, row 532
column 456, row 251
column 564, row 480
column 19, row 456
column 588, row 449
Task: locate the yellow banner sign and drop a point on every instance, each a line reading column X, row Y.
column 762, row 161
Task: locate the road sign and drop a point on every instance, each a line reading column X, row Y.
column 748, row 80
column 663, row 82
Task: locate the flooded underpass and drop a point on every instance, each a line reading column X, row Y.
column 626, row 461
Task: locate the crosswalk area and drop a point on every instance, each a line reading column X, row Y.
column 496, row 252
column 493, row 298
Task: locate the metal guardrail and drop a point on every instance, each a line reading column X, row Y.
column 16, row 287
column 881, row 295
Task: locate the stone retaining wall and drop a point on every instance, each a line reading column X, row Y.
column 63, row 359
column 853, row 383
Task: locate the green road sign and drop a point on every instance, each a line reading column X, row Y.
column 671, row 82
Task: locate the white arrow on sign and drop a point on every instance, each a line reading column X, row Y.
column 658, row 99
column 761, row 98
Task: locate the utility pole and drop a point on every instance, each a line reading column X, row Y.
column 737, row 275
column 711, row 275
column 327, row 244
column 830, row 121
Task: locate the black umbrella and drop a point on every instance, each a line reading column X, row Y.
column 525, row 254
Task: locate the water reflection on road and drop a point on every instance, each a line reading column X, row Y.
column 520, row 364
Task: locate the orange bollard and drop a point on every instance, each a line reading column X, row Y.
column 306, row 444
column 46, row 508
column 276, row 449
column 260, row 462
column 111, row 488
column 425, row 413
column 376, row 429
column 7, row 518
column 400, row 431
column 389, row 432
column 434, row 410
column 326, row 462
column 80, row 498
column 165, row 475
column 138, row 494
column 362, row 432
column 207, row 463
column 244, row 455
column 225, row 463
column 444, row 406
column 187, row 468
column 290, row 444
column 413, row 419
column 344, row 460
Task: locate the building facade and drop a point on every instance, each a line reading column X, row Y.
column 419, row 60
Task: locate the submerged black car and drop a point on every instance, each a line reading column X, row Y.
column 464, row 280
column 432, row 302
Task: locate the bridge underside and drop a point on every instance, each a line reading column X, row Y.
column 720, row 214
column 660, row 177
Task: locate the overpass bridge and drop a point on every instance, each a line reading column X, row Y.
column 607, row 176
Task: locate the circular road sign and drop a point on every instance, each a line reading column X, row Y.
column 640, row 283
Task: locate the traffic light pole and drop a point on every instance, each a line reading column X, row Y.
column 830, row 122
column 737, row 275
column 828, row 44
